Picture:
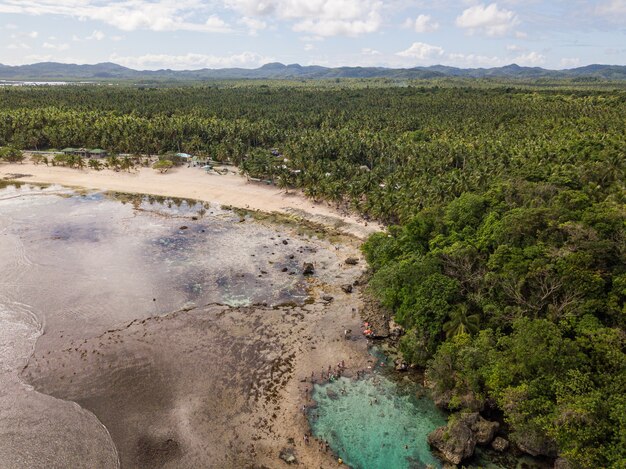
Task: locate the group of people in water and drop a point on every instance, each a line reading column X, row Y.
column 331, row 374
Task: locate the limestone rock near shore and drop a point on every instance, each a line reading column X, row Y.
column 288, row 455
column 395, row 329
column 484, row 430
column 500, row 444
column 455, row 441
column 535, row 445
column 562, row 463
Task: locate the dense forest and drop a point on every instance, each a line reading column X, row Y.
column 505, row 257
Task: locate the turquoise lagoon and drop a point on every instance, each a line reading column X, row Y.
column 376, row 423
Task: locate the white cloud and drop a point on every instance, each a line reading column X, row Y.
column 33, row 34
column 368, row 51
column 309, row 47
column 253, row 25
column 327, row 27
column 515, row 48
column 422, row 24
column 18, row 46
column 530, row 59
column 489, row 20
column 612, row 7
column 59, row 47
column 421, row 51
column 127, row 15
column 96, row 36
column 319, row 17
column 570, row 62
column 191, row 61
column 474, row 60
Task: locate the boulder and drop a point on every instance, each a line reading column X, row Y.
column 500, row 444
column 401, row 366
column 308, row 268
column 347, row 288
column 455, row 441
column 484, row 430
column 327, row 298
column 352, row 261
column 562, row 463
column 288, row 455
column 395, row 329
column 535, row 444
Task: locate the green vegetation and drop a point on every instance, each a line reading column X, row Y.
column 505, row 259
column 11, row 154
column 163, row 166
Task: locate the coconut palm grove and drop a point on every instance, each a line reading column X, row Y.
column 503, row 256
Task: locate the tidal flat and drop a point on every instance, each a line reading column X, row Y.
column 138, row 332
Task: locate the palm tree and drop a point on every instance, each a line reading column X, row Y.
column 460, row 322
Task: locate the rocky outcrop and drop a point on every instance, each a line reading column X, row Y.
column 562, row 463
column 347, row 288
column 535, row 444
column 484, row 430
column 500, row 444
column 308, row 268
column 395, row 329
column 401, row 365
column 288, row 455
column 457, row 440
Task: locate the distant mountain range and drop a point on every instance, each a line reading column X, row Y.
column 52, row 71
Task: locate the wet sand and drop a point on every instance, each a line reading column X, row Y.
column 137, row 333
column 193, row 183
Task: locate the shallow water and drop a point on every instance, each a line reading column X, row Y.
column 373, row 423
column 76, row 268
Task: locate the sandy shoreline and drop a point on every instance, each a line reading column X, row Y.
column 193, row 183
column 207, row 385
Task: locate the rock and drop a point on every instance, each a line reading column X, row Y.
column 484, row 430
column 288, row 455
column 184, row 227
column 352, row 261
column 347, row 288
column 327, row 298
column 500, row 444
column 535, row 445
column 395, row 329
column 285, row 242
column 332, row 394
column 401, row 366
column 455, row 441
column 562, row 463
column 441, row 399
column 308, row 268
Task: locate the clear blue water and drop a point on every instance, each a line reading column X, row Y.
column 374, row 423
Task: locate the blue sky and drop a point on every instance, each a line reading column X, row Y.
column 192, row 34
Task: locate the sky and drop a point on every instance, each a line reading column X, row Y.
column 194, row 34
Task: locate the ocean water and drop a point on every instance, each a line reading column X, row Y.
column 375, row 423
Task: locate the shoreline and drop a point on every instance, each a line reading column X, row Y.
column 255, row 405
column 193, row 183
